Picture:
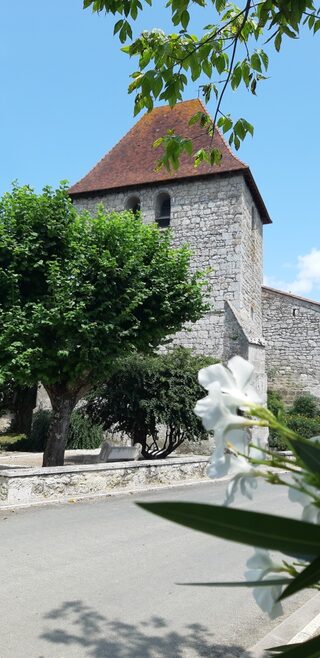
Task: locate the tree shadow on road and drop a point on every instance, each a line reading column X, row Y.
column 78, row 625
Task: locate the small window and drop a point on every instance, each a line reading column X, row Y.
column 134, row 205
column 163, row 210
column 295, row 312
column 252, row 313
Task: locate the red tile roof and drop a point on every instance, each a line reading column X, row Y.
column 133, row 160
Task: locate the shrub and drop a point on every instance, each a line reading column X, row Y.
column 39, row 430
column 7, row 391
column 83, row 433
column 151, row 399
column 276, row 441
column 19, row 401
column 36, row 441
column 275, row 403
column 305, row 405
column 304, row 426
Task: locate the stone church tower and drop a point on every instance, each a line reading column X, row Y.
column 218, row 211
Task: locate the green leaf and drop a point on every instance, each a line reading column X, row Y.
column 249, row 127
column 118, row 26
column 277, row 41
column 253, row 86
column 246, row 583
column 261, row 530
column 215, row 157
column 308, row 577
column 310, row 21
column 255, row 62
column 236, row 77
column 225, row 123
column 239, row 129
column 207, row 68
column 195, row 118
column 187, row 146
column 184, row 19
column 201, row 156
column 264, row 58
column 220, row 63
column 220, row 5
column 290, row 33
column 158, row 142
column 246, row 72
column 308, row 452
column 237, row 142
column 157, row 86
column 308, row 649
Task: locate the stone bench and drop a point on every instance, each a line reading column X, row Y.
column 110, row 453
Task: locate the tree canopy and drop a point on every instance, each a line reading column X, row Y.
column 77, row 292
column 232, row 50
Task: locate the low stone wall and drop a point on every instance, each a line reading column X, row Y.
column 31, row 486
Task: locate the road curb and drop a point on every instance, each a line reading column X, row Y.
column 298, row 627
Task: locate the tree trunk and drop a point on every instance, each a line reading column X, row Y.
column 62, row 406
column 24, row 402
column 139, row 436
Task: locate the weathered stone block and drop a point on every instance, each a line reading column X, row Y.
column 112, row 453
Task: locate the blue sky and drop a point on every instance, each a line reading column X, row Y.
column 64, row 103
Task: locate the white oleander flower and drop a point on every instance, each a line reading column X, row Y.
column 244, row 475
column 222, row 464
column 228, row 391
column 261, row 567
column 310, row 512
column 245, row 480
column 234, row 383
column 215, row 415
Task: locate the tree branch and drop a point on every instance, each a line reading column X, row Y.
column 245, row 16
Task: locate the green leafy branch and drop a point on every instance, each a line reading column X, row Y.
column 167, row 62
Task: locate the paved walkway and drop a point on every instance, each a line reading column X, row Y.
column 100, row 580
column 14, row 459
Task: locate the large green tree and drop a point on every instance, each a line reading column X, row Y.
column 77, row 292
column 232, row 50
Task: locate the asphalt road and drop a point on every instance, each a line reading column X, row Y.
column 99, row 580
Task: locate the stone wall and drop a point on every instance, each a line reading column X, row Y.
column 213, row 216
column 239, row 341
column 26, row 486
column 291, row 328
column 235, row 339
column 251, row 266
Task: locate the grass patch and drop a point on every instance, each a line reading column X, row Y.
column 7, row 441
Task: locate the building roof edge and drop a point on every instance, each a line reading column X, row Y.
column 292, row 295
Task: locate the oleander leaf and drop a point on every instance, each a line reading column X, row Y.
column 245, row 583
column 308, row 452
column 308, row 577
column 308, row 649
column 290, row 536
